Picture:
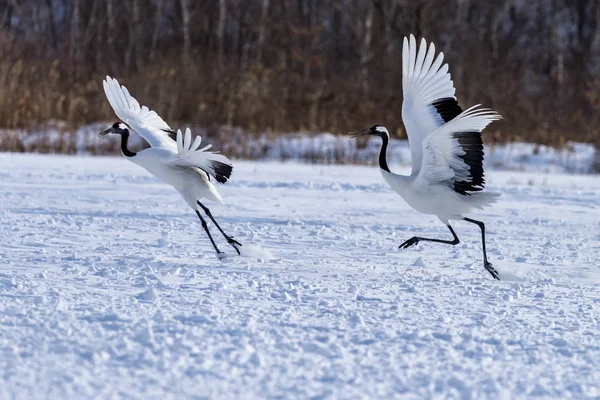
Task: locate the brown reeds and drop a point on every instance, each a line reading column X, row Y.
column 296, row 66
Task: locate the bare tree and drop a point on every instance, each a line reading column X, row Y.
column 221, row 31
column 75, row 23
column 157, row 27
column 262, row 30
column 185, row 26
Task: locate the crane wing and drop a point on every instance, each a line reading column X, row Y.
column 147, row 123
column 453, row 154
column 189, row 155
column 428, row 91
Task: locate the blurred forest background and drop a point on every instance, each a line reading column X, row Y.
column 282, row 66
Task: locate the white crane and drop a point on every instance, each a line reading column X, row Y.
column 173, row 157
column 445, row 145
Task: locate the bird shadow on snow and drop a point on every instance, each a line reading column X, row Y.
column 210, row 260
column 247, row 250
column 508, row 275
column 251, row 250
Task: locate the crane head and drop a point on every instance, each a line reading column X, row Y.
column 375, row 130
column 118, row 128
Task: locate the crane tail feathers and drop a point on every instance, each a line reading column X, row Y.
column 482, row 200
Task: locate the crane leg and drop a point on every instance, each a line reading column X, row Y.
column 234, row 243
column 486, row 264
column 205, row 226
column 416, row 239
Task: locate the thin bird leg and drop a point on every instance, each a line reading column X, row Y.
column 205, row 226
column 234, row 243
column 487, row 265
column 416, row 239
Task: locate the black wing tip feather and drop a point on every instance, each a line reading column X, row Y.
column 171, row 132
column 447, row 108
column 472, row 145
column 222, row 171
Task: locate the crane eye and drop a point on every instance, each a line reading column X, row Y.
column 116, row 125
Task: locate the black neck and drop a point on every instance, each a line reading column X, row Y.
column 382, row 154
column 124, row 138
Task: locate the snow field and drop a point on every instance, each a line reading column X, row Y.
column 109, row 287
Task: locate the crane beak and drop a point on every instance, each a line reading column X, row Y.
column 106, row 132
column 356, row 134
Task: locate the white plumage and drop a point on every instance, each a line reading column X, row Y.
column 423, row 82
column 174, row 157
column 447, row 177
column 146, row 123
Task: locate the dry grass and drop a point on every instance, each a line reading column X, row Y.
column 273, row 101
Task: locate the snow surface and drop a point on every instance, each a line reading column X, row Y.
column 109, row 287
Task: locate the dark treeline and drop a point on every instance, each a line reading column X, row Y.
column 288, row 65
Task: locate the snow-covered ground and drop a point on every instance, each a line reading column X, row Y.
column 110, row 289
